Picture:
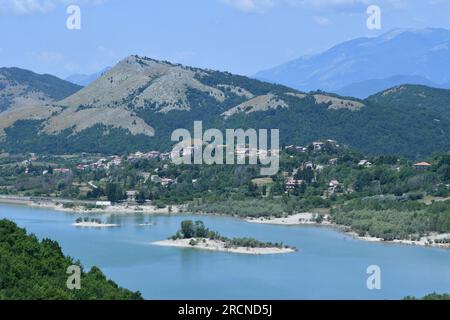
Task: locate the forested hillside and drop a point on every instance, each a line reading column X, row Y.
column 136, row 106
column 36, row 270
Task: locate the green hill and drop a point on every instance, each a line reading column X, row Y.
column 137, row 104
column 20, row 87
column 36, row 270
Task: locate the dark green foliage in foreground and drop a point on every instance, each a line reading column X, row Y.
column 34, row 270
column 190, row 230
column 431, row 297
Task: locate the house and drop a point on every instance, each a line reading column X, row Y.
column 332, row 142
column 293, row 183
column 165, row 156
column 365, row 164
column 61, row 170
column 291, row 147
column 318, row 146
column 334, row 186
column 153, row 154
column 167, row 181
column 132, row 195
column 116, row 161
column 103, row 203
column 309, row 165
column 333, row 161
column 241, row 151
column 155, row 178
column 422, row 165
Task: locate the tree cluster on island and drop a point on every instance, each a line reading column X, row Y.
column 88, row 220
column 197, row 232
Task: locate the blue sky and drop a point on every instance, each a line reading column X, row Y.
column 240, row 36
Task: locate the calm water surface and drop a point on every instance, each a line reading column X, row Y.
column 329, row 265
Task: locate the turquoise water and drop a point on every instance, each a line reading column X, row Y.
column 329, row 265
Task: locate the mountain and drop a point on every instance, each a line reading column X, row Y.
column 421, row 53
column 20, row 88
column 122, row 109
column 139, row 103
column 85, row 79
column 367, row 88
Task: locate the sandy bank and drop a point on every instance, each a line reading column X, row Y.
column 426, row 241
column 309, row 219
column 94, row 225
column 214, row 245
column 296, row 219
column 80, row 207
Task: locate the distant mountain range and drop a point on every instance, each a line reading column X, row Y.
column 138, row 103
column 364, row 66
column 19, row 87
column 85, row 79
column 367, row 88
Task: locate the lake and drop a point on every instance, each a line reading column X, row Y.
column 328, row 265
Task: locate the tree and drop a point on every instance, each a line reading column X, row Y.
column 114, row 192
column 187, row 228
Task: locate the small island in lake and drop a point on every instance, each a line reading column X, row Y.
column 92, row 223
column 196, row 235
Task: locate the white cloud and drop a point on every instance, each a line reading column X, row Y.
column 251, row 5
column 50, row 57
column 317, row 5
column 322, row 21
column 23, row 7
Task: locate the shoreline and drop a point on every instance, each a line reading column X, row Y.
column 219, row 246
column 307, row 219
column 299, row 219
column 94, row 225
column 58, row 205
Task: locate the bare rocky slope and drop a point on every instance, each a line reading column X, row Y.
column 139, row 102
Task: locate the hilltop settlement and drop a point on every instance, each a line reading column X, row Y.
column 378, row 198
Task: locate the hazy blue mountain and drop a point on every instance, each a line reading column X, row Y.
column 424, row 53
column 86, row 79
column 367, row 88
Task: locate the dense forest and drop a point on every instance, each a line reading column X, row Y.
column 36, row 270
